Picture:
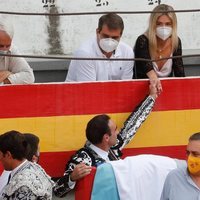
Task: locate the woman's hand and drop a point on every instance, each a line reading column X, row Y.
column 154, row 80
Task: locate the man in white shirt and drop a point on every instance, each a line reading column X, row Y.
column 106, row 45
column 27, row 180
column 13, row 70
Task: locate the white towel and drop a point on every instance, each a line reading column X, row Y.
column 142, row 177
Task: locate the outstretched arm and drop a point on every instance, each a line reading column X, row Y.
column 136, row 118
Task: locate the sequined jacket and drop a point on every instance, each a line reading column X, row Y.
column 29, row 182
column 89, row 157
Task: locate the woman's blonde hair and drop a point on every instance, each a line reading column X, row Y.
column 158, row 11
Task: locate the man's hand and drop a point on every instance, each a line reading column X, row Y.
column 6, row 81
column 81, row 170
column 4, row 77
column 156, row 82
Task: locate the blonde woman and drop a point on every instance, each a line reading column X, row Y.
column 159, row 41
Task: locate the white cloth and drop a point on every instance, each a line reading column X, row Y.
column 165, row 70
column 4, row 179
column 142, row 177
column 20, row 69
column 98, row 70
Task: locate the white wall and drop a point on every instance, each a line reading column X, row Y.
column 32, row 35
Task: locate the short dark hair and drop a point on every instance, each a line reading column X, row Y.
column 33, row 142
column 112, row 20
column 195, row 136
column 97, row 127
column 14, row 142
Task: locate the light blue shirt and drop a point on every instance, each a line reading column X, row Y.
column 179, row 186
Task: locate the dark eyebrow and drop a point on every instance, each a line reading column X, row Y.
column 192, row 152
column 105, row 35
column 113, row 37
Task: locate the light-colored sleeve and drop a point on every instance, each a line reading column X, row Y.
column 22, row 73
column 166, row 192
column 128, row 70
column 4, row 179
column 81, row 70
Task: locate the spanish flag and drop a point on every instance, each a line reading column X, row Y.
column 58, row 113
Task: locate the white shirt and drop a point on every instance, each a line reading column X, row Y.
column 165, row 70
column 4, row 179
column 100, row 70
column 20, row 69
column 103, row 154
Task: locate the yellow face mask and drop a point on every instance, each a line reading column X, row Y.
column 193, row 164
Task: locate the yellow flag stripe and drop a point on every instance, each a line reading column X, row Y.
column 66, row 133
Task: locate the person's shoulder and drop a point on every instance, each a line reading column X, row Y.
column 125, row 49
column 37, row 171
column 31, row 175
column 83, row 155
column 142, row 37
column 15, row 51
column 177, row 173
column 124, row 45
column 179, row 40
column 83, row 152
column 86, row 49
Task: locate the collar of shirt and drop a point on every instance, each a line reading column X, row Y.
column 103, row 154
column 100, row 54
column 17, row 168
column 189, row 179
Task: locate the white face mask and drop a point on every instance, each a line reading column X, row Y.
column 4, row 51
column 164, row 32
column 108, row 44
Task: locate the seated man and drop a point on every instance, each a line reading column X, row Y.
column 13, row 70
column 105, row 45
column 27, row 180
column 104, row 143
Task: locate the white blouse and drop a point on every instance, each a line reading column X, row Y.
column 165, row 70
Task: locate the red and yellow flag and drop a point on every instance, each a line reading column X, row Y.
column 58, row 114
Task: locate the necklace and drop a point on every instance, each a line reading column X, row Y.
column 161, row 50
